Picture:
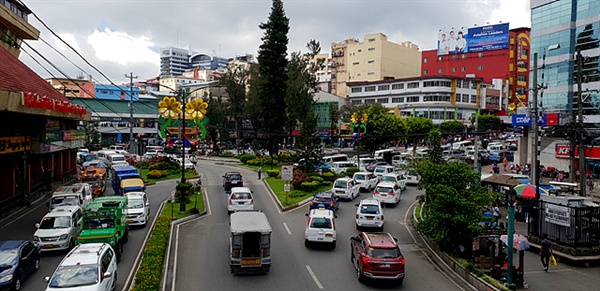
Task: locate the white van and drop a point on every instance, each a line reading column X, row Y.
column 116, row 148
column 495, row 147
column 380, row 153
column 341, row 167
column 79, row 194
column 116, row 160
column 328, row 160
column 103, row 155
column 461, row 145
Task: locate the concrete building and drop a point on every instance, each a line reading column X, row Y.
column 79, row 87
column 374, row 59
column 14, row 27
column 509, row 63
column 322, row 109
column 112, row 92
column 175, row 61
column 436, row 98
column 323, row 73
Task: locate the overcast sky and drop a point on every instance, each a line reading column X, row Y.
column 125, row 36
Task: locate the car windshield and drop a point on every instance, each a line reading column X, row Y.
column 379, row 170
column 69, row 200
column 74, row 276
column 98, row 223
column 118, row 159
column 359, row 177
column 384, row 253
column 236, row 196
column 320, row 222
column 388, row 178
column 369, row 209
column 340, row 184
column 55, row 222
column 8, row 258
column 322, row 199
column 384, row 189
column 135, row 204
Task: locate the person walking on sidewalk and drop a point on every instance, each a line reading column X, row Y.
column 545, row 251
column 259, row 172
column 505, row 163
column 590, row 184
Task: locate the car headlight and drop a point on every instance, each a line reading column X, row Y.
column 36, row 238
column 64, row 236
column 6, row 278
column 112, row 241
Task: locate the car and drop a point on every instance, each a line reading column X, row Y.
column 232, row 179
column 387, row 192
column 91, row 266
column 371, row 167
column 369, row 214
column 366, row 180
column 138, row 208
column 59, row 229
column 382, row 170
column 412, row 178
column 320, row 227
column 345, row 188
column 395, row 177
column 190, row 165
column 364, row 162
column 376, row 255
column 240, row 198
column 324, row 200
column 18, row 260
column 341, row 167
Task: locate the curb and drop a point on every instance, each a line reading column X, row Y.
column 284, row 209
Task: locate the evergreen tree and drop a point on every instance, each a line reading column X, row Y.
column 273, row 75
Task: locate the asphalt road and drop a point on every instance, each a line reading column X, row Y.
column 23, row 227
column 202, row 246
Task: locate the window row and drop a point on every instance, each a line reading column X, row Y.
column 433, row 114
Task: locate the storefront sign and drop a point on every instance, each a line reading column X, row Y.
column 33, row 100
column 52, row 135
column 564, row 152
column 549, row 119
column 68, row 135
column 558, row 215
column 14, row 144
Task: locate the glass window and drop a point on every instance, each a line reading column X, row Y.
column 369, row 101
column 398, row 100
column 425, row 60
column 383, row 87
column 370, row 88
column 440, row 70
column 425, row 72
column 463, row 69
column 480, row 67
column 412, row 85
column 397, row 86
column 356, row 89
column 383, row 100
column 454, row 69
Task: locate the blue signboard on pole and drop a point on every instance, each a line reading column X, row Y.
column 525, row 120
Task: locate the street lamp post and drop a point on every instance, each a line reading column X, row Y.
column 511, row 197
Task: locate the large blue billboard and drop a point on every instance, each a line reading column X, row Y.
column 473, row 39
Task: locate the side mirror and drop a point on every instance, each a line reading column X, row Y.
column 37, row 225
column 107, row 274
column 147, row 203
column 356, row 204
column 46, row 279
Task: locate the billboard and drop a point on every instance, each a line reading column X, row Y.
column 549, row 119
column 473, row 39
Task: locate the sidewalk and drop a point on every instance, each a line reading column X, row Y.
column 19, row 210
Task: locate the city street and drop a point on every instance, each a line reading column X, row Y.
column 202, row 252
column 23, row 227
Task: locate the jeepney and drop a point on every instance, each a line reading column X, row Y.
column 96, row 177
column 249, row 242
column 105, row 221
column 131, row 185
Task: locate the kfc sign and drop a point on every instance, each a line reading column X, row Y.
column 563, row 151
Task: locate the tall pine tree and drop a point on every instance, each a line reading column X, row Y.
column 273, row 75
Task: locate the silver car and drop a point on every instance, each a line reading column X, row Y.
column 240, row 198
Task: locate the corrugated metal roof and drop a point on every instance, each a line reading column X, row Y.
column 118, row 106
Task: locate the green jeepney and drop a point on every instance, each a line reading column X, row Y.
column 105, row 220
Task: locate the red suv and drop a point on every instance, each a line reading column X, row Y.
column 377, row 255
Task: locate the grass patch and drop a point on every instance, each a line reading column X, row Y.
column 171, row 176
column 418, row 212
column 150, row 273
column 294, row 196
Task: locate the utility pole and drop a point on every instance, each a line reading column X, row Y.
column 579, row 127
column 476, row 154
column 131, row 77
column 535, row 165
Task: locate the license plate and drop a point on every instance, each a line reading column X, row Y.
column 383, row 195
column 409, row 178
column 48, row 246
column 369, row 218
column 340, row 192
column 250, row 262
column 241, row 203
column 131, row 220
column 384, row 265
column 234, row 182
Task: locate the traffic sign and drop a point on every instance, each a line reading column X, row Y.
column 287, row 172
column 286, row 187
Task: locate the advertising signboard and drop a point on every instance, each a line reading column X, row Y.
column 473, row 39
column 549, row 119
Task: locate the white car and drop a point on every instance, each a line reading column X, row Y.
column 240, row 198
column 366, row 180
column 395, row 177
column 412, row 178
column 345, row 188
column 320, row 227
column 91, row 266
column 369, row 214
column 59, row 229
column 387, row 192
column 138, row 208
column 382, row 170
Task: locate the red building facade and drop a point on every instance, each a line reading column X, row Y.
column 510, row 64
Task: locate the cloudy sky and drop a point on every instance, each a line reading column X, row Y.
column 119, row 37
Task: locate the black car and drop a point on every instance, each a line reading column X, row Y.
column 232, row 179
column 325, row 200
column 18, row 259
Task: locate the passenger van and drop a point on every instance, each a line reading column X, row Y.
column 380, row 153
column 103, row 155
column 328, row 160
column 116, row 148
column 341, row 167
column 78, row 194
column 116, row 159
column 461, row 145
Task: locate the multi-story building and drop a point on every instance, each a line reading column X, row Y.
column 323, row 72
column 79, row 87
column 38, row 125
column 208, row 62
column 324, row 103
column 437, row 98
column 374, row 59
column 112, row 92
column 175, row 61
column 507, row 59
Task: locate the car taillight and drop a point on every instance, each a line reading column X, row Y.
column 252, row 201
column 313, row 203
column 227, row 180
column 357, row 216
column 236, row 253
column 308, row 222
column 381, row 217
column 392, row 193
column 375, row 192
column 241, row 181
column 230, row 201
column 331, row 204
column 402, row 260
column 266, row 253
column 365, row 261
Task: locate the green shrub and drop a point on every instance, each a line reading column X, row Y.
column 142, row 165
column 316, row 179
column 310, row 186
column 269, row 161
column 227, row 154
column 328, row 176
column 253, row 162
column 155, row 174
column 170, row 165
column 350, row 171
column 273, row 173
column 325, row 183
column 246, row 157
column 149, row 274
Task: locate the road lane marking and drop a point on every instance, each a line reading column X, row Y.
column 287, row 228
column 312, row 274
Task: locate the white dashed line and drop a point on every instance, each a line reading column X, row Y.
column 312, row 274
column 287, row 228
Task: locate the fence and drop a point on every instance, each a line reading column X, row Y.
column 566, row 225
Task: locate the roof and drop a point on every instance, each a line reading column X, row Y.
column 321, row 213
column 380, row 239
column 240, row 190
column 249, row 221
column 96, row 105
column 62, row 210
column 370, row 200
column 84, row 254
column 11, row 244
column 324, row 194
column 500, row 179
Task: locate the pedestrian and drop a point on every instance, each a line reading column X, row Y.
column 545, row 251
column 590, row 184
column 496, row 168
column 505, row 162
column 259, row 172
column 496, row 213
column 561, row 176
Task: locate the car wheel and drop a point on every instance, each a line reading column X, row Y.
column 359, row 274
column 71, row 244
column 333, row 245
column 400, row 281
column 306, row 243
column 114, row 286
column 36, row 265
column 17, row 284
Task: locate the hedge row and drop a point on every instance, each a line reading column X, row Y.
column 149, row 274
